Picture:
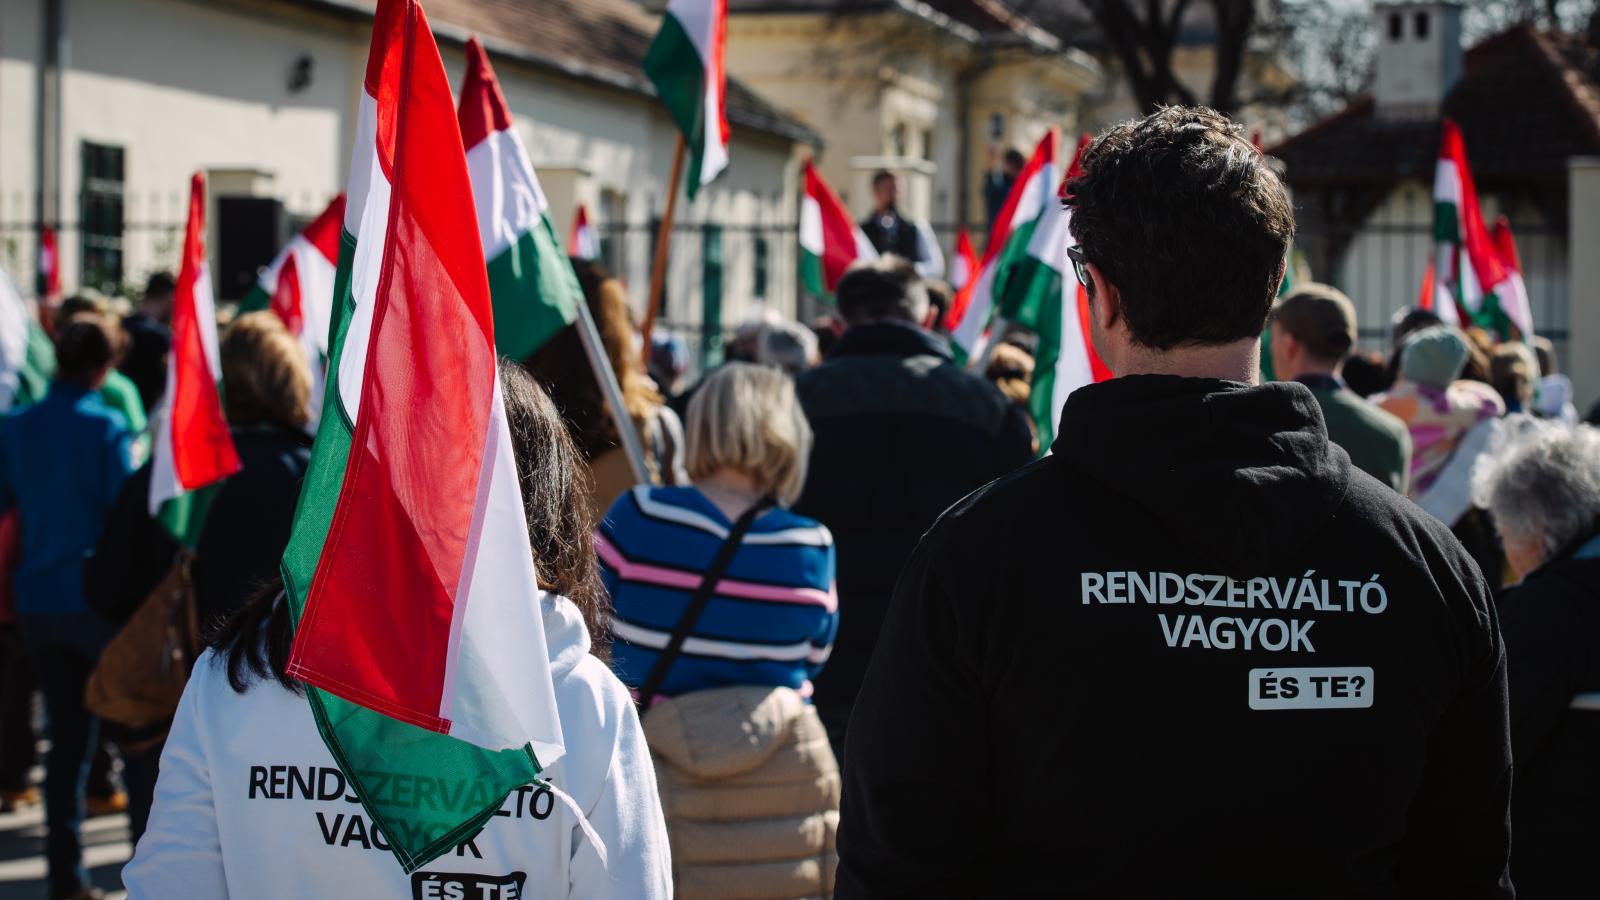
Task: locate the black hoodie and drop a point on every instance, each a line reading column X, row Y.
column 1191, row 654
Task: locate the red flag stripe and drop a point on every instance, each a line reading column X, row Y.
column 323, row 232
column 286, row 297
column 483, row 106
column 378, row 617
column 1474, row 235
column 838, row 230
column 202, row 449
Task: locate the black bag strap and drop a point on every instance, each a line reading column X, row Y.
column 697, row 603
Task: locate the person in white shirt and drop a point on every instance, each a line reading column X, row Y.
column 250, row 803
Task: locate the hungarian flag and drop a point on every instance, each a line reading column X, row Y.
column 685, row 63
column 409, row 573
column 1468, row 266
column 49, row 280
column 830, row 241
column 27, row 357
column 965, row 262
column 1032, row 195
column 534, row 290
column 584, row 242
column 193, row 449
column 1516, row 302
column 1043, row 295
column 298, row 286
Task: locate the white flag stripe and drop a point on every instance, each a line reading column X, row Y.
column 811, row 226
column 13, row 340
column 497, row 694
column 371, row 218
column 510, row 202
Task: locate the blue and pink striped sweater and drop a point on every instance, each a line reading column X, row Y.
column 772, row 619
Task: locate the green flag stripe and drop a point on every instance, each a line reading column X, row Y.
column 675, row 67
column 1446, row 223
column 1013, row 290
column 534, row 292
column 811, row 273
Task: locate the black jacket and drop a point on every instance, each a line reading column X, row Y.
column 1552, row 629
column 248, row 524
column 1096, row 677
column 240, row 548
column 901, row 432
column 891, row 233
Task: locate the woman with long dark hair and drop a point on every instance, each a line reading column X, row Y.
column 226, row 823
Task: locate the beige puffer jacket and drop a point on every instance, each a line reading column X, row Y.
column 750, row 790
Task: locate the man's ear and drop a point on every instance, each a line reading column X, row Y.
column 1105, row 302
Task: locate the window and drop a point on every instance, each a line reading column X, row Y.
column 1420, row 24
column 927, row 145
column 758, row 288
column 1397, row 25
column 897, row 140
column 100, row 217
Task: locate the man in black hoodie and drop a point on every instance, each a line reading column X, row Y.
column 902, row 432
column 1193, row 653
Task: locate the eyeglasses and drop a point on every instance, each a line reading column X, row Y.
column 1080, row 265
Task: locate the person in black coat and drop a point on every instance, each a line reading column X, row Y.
column 1544, row 492
column 902, row 432
column 266, row 391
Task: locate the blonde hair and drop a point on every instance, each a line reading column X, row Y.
column 265, row 376
column 747, row 417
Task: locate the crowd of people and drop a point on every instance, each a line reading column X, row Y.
column 861, row 635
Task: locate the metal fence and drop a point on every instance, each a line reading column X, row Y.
column 721, row 274
column 1380, row 265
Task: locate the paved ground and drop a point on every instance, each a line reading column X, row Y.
column 22, row 869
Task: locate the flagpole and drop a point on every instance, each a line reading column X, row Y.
column 601, row 364
column 658, row 271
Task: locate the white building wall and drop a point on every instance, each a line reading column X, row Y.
column 185, row 86
column 20, row 32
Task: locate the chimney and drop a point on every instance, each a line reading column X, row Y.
column 1419, row 58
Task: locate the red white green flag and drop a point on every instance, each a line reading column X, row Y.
column 584, row 242
column 193, row 449
column 1516, row 302
column 27, row 358
column 685, row 63
column 409, row 572
column 1468, row 266
column 1042, row 295
column 298, row 286
column 531, row 280
column 49, row 277
column 1033, row 193
column 830, row 241
column 965, row 262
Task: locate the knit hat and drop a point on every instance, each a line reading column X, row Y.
column 1433, row 357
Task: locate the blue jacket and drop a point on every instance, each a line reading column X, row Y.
column 61, row 462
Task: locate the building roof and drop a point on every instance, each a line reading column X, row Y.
column 1528, row 100
column 973, row 21
column 599, row 41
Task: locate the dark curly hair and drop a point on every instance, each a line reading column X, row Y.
column 1188, row 221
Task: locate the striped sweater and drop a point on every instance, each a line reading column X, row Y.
column 771, row 620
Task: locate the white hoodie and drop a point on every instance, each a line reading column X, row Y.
column 251, row 804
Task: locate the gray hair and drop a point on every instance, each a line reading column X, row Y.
column 789, row 346
column 1541, row 478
